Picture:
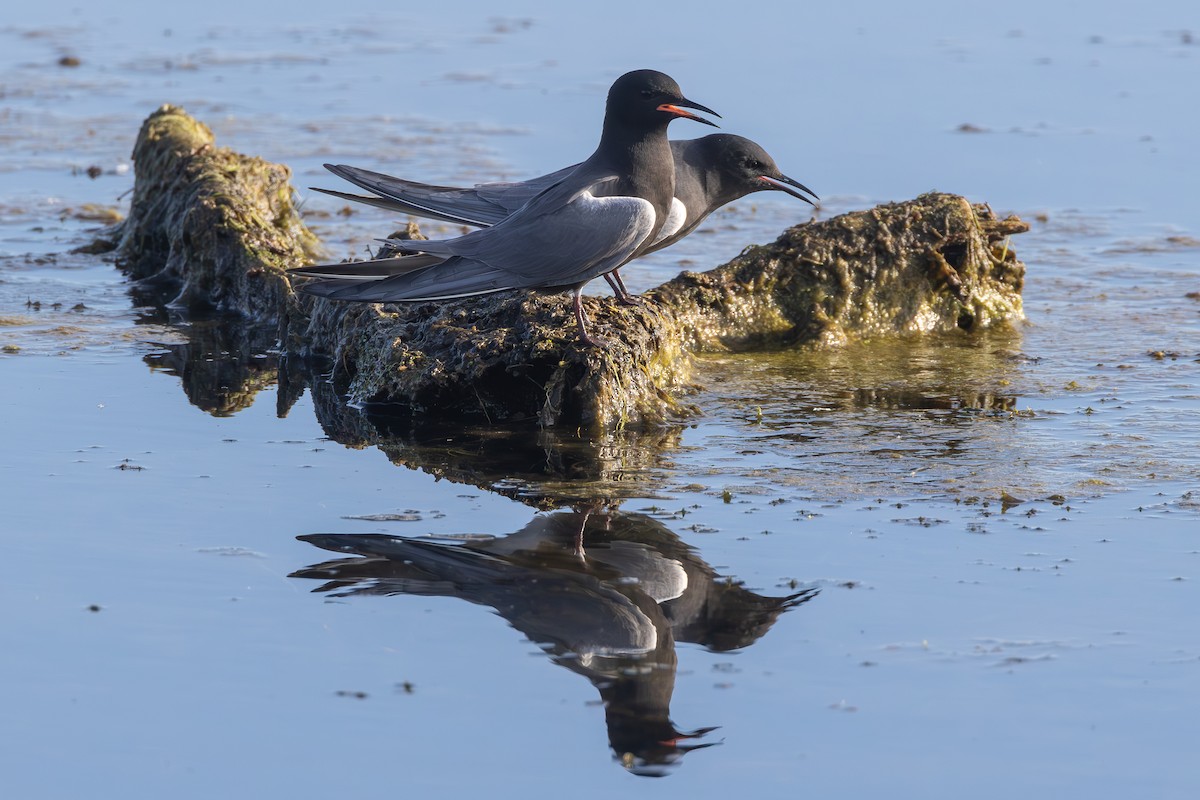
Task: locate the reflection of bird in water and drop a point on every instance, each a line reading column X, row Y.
column 612, row 615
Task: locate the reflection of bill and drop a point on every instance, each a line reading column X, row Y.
column 611, row 612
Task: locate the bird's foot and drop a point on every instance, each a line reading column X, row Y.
column 590, row 341
column 630, row 300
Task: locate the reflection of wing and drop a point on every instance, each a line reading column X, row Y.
column 660, row 577
column 583, row 617
column 570, row 611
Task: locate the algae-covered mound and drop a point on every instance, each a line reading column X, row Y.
column 221, row 228
column 929, row 265
column 933, row 264
column 508, row 356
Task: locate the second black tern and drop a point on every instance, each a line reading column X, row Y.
column 710, row 172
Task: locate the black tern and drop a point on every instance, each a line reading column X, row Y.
column 709, row 173
column 606, row 211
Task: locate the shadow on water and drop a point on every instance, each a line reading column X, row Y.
column 886, row 407
column 542, row 468
column 605, row 595
column 223, row 365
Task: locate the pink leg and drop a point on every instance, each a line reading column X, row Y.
column 618, row 285
column 582, row 320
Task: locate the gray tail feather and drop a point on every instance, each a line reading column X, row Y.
column 445, row 203
column 403, row 207
column 452, row 279
column 376, row 269
column 380, row 183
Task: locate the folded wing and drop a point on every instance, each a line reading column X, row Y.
column 563, row 238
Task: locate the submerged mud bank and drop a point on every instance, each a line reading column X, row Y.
column 218, row 230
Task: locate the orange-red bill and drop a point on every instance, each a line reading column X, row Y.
column 679, row 112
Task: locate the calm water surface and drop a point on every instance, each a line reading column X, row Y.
column 921, row 568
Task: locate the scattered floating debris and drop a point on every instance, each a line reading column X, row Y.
column 232, row 551
column 408, row 516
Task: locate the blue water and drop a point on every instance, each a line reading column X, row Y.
column 997, row 535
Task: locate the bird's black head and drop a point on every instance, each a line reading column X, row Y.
column 648, row 98
column 743, row 167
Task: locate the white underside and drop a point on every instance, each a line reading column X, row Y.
column 675, row 220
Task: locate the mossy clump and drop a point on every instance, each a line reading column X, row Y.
column 927, row 265
column 209, row 228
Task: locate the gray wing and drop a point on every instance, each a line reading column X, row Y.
column 482, row 205
column 580, row 241
column 564, row 237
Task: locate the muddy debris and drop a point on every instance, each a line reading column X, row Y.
column 218, row 230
